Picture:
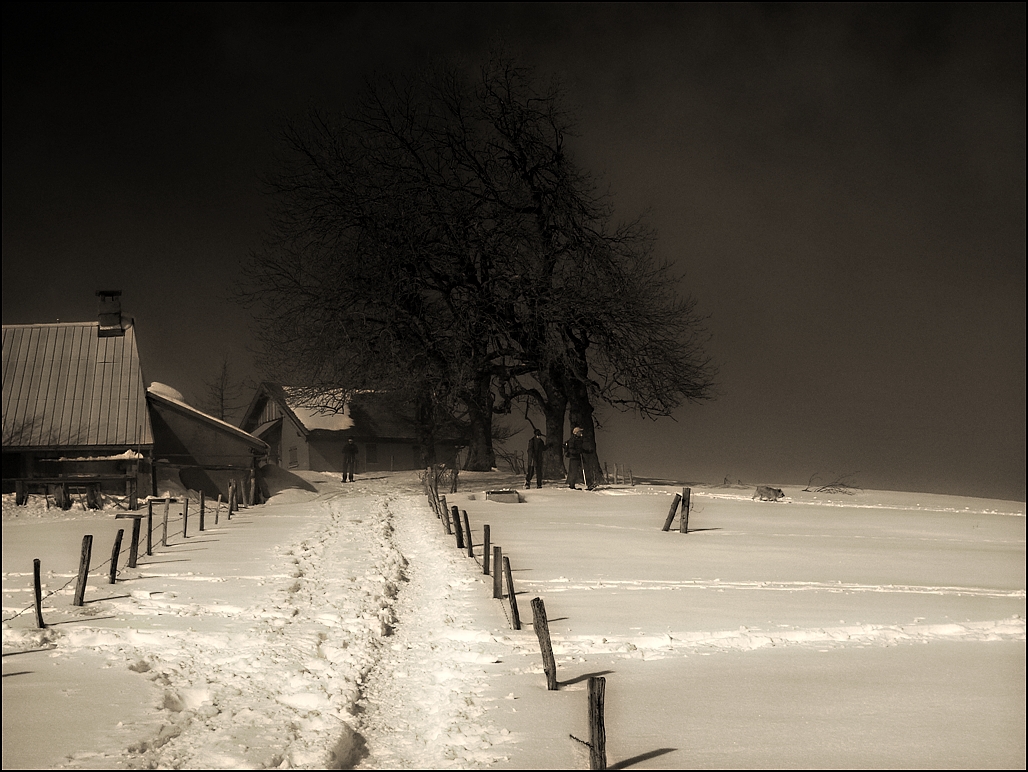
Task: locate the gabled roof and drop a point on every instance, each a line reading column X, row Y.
column 366, row 415
column 64, row 386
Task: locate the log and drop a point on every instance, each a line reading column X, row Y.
column 515, row 618
column 542, row 632
column 80, row 585
column 115, row 552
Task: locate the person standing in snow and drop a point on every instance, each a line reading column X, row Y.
column 535, row 460
column 574, row 449
column 350, row 452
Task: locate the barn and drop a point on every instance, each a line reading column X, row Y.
column 78, row 421
column 75, row 416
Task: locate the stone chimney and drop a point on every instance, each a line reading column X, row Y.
column 110, row 313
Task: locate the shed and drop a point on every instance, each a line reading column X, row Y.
column 197, row 450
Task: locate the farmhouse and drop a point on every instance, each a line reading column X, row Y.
column 78, row 420
column 309, row 438
column 75, row 418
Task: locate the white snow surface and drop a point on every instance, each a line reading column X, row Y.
column 339, row 626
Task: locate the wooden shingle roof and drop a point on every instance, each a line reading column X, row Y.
column 64, row 386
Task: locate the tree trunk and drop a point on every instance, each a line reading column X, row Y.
column 424, row 424
column 479, row 403
column 554, row 408
column 581, row 414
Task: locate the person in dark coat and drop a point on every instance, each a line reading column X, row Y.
column 350, row 452
column 536, row 445
column 574, row 449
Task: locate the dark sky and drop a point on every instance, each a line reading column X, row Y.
column 843, row 187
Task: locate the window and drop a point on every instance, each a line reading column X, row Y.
column 293, row 462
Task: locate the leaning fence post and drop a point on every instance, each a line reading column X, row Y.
column 671, row 512
column 37, row 588
column 457, row 529
column 497, row 576
column 686, row 496
column 203, row 505
column 444, row 513
column 542, row 632
column 114, row 555
column 597, row 733
column 185, row 516
column 134, row 546
column 485, row 549
column 467, row 531
column 515, row 618
column 149, row 527
column 80, row 587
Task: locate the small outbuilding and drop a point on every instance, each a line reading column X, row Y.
column 201, row 452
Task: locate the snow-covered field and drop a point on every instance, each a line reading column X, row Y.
column 339, row 625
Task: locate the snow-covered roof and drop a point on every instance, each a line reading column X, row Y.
column 162, row 394
column 314, row 417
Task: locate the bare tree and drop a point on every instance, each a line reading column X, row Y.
column 223, row 394
column 440, row 235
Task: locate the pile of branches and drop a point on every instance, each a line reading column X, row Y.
column 844, row 484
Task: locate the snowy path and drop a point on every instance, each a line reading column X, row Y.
column 427, row 703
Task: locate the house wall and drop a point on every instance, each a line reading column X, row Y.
column 294, row 452
column 326, row 454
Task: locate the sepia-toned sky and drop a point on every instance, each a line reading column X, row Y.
column 842, row 187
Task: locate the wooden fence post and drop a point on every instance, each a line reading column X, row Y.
column 542, row 632
column 497, row 575
column 597, row 732
column 80, row 586
column 134, row 546
column 37, row 587
column 149, row 527
column 164, row 530
column 444, row 513
column 467, row 532
column 485, row 549
column 457, row 529
column 115, row 552
column 217, row 512
column 686, row 496
column 185, row 516
column 515, row 618
column 671, row 512
column 203, row 505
